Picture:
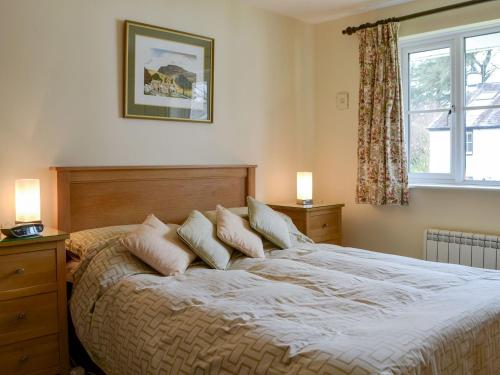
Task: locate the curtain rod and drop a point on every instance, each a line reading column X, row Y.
column 353, row 29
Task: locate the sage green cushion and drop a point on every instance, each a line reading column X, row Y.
column 269, row 223
column 200, row 235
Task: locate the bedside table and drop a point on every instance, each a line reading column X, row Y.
column 33, row 325
column 320, row 222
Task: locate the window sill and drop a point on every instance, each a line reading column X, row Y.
column 454, row 186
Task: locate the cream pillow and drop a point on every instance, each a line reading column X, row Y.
column 200, row 235
column 79, row 242
column 235, row 231
column 269, row 223
column 158, row 245
column 240, row 211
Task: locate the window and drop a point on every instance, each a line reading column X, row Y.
column 428, row 111
column 451, row 92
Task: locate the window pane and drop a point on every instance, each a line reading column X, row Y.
column 430, row 79
column 483, row 158
column 429, row 143
column 469, row 142
column 482, row 70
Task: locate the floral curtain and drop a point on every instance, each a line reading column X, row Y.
column 382, row 169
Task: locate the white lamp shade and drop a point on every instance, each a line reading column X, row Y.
column 304, row 186
column 27, row 200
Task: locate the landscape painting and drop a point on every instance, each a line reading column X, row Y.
column 169, row 74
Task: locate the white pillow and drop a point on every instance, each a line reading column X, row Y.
column 159, row 246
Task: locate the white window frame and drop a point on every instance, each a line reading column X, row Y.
column 455, row 40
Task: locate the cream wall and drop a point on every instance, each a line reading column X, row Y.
column 391, row 229
column 61, row 85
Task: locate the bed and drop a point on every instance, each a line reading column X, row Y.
column 310, row 309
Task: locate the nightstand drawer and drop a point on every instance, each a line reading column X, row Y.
column 28, row 317
column 27, row 269
column 324, row 227
column 30, row 356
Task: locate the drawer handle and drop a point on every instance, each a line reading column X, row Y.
column 21, row 315
column 24, row 359
column 20, row 271
column 325, row 225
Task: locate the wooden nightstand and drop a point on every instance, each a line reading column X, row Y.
column 320, row 222
column 33, row 325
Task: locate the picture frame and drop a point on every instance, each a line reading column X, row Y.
column 168, row 74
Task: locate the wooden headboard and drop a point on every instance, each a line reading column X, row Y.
column 92, row 197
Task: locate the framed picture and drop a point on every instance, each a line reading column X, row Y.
column 169, row 74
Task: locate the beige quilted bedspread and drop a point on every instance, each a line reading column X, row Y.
column 314, row 309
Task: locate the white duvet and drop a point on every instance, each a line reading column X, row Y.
column 314, row 309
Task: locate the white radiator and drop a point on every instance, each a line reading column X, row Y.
column 468, row 249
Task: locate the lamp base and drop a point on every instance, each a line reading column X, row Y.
column 305, row 202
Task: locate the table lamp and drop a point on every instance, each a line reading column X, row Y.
column 304, row 188
column 28, row 201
